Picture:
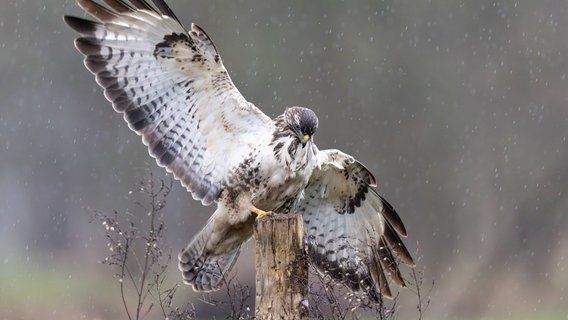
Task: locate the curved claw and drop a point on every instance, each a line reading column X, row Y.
column 261, row 213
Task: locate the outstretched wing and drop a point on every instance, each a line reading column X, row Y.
column 353, row 234
column 172, row 88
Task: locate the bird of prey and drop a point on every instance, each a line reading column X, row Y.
column 170, row 85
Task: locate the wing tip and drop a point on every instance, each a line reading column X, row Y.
column 97, row 10
column 391, row 216
column 83, row 26
column 409, row 261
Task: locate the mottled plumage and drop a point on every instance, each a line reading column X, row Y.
column 173, row 90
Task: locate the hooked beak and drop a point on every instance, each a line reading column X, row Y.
column 305, row 140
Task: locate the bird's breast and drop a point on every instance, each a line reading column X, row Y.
column 286, row 178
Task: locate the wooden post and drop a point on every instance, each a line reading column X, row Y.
column 281, row 268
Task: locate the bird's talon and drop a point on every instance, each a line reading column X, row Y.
column 261, row 213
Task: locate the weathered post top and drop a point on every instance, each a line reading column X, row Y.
column 281, row 268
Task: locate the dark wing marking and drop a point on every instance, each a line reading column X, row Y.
column 353, row 234
column 172, row 88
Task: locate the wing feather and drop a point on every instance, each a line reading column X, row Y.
column 353, row 234
column 172, row 88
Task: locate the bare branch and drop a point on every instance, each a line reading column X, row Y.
column 142, row 244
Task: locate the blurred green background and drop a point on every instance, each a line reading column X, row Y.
column 458, row 107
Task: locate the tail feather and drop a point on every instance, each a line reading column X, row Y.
column 204, row 267
column 207, row 274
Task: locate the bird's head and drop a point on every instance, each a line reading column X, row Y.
column 303, row 122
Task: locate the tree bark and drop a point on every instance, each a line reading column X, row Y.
column 281, row 268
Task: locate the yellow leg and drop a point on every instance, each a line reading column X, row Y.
column 260, row 213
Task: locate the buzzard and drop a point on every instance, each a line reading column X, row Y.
column 170, row 85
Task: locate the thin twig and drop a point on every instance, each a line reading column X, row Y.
column 148, row 286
